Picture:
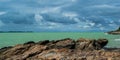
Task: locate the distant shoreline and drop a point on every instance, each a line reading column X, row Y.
column 47, row 32
column 116, row 32
column 15, row 31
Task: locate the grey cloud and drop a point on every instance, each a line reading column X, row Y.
column 22, row 13
column 17, row 18
column 58, row 19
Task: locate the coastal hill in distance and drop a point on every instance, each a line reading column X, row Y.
column 14, row 31
column 116, row 32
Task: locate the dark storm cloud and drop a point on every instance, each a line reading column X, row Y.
column 17, row 18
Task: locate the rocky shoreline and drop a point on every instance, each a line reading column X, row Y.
column 64, row 49
column 116, row 32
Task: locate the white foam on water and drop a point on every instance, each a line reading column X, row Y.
column 117, row 39
column 106, row 33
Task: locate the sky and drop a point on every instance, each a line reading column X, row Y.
column 59, row 15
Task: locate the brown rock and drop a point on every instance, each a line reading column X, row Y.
column 85, row 44
column 63, row 43
column 64, row 49
column 116, row 32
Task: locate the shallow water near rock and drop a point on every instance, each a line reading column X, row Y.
column 10, row 39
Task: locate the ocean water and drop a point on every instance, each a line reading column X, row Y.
column 11, row 39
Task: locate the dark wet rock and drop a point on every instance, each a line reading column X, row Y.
column 30, row 42
column 64, row 49
column 101, row 43
column 5, row 48
column 43, row 42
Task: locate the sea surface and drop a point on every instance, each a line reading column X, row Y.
column 11, row 39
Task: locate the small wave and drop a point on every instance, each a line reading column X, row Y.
column 117, row 39
column 106, row 33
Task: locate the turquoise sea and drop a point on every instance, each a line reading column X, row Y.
column 11, row 39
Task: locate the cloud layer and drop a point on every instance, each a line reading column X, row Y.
column 59, row 15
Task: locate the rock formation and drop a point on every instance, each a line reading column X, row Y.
column 64, row 49
column 116, row 32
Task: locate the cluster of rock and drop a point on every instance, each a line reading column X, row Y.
column 64, row 49
column 116, row 32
